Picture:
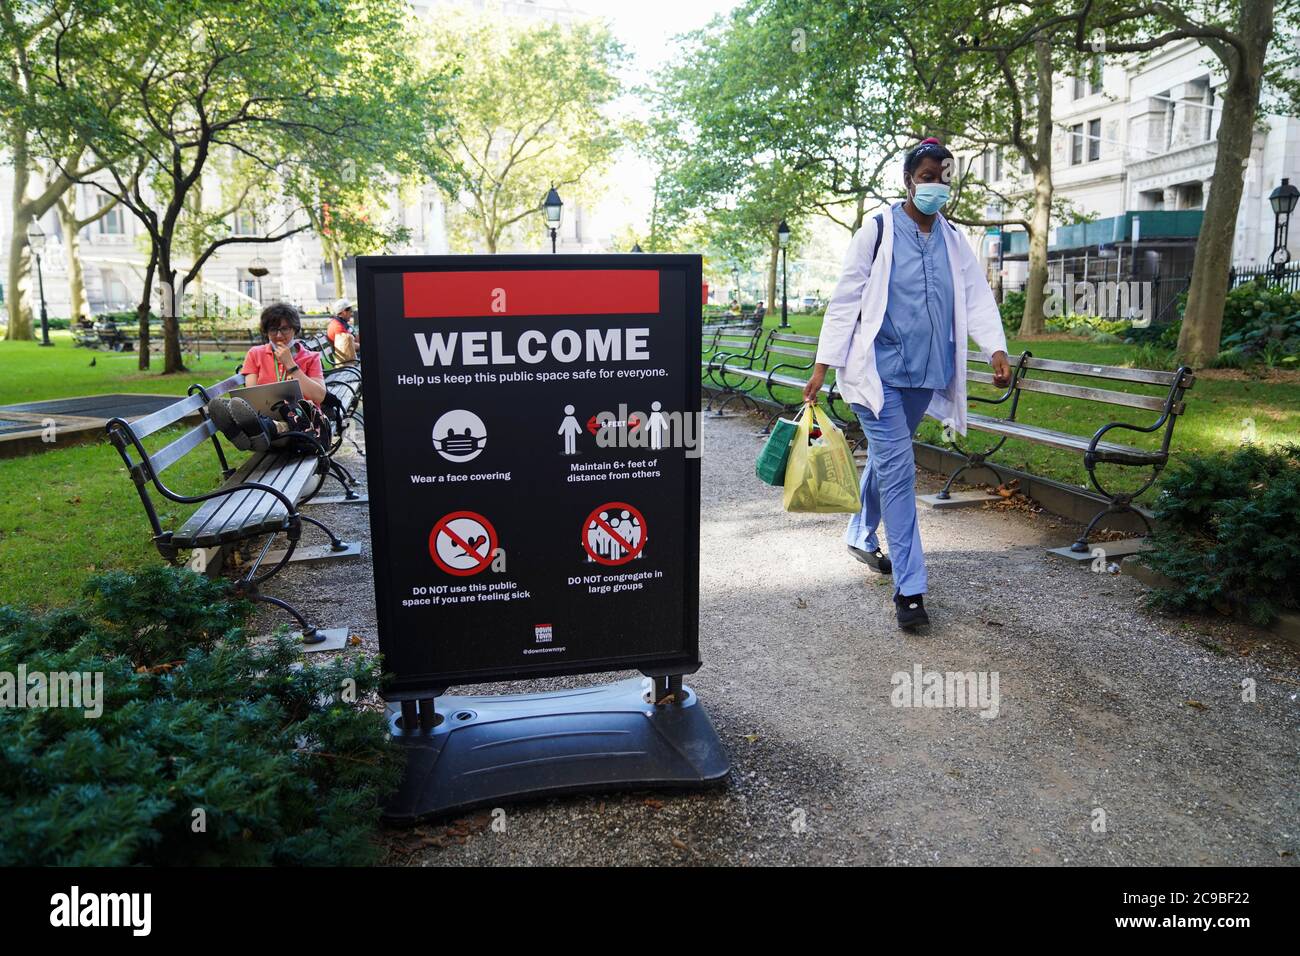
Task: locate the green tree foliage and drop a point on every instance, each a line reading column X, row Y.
column 728, row 174
column 210, row 750
column 529, row 109
column 284, row 84
column 47, row 152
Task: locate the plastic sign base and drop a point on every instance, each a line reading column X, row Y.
column 487, row 751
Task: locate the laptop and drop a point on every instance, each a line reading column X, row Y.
column 262, row 397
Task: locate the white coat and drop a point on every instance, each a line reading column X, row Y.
column 857, row 309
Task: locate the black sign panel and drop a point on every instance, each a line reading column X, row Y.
column 532, row 454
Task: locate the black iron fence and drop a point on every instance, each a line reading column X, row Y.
column 1289, row 278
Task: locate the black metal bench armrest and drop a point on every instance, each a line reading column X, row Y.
column 146, row 462
column 793, row 365
column 1017, row 372
column 1165, row 416
column 1168, row 416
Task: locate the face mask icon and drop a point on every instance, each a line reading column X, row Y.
column 460, row 445
column 459, row 436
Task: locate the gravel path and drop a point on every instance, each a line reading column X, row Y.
column 1103, row 707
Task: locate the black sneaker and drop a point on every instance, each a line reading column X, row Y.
column 911, row 611
column 876, row 560
column 219, row 412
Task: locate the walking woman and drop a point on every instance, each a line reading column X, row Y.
column 910, row 292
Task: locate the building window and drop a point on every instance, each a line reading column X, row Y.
column 112, row 222
column 1094, row 140
column 1078, row 92
column 1209, row 114
column 1095, row 74
column 1076, row 144
column 245, row 223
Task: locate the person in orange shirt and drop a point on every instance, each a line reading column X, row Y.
column 342, row 321
column 283, row 358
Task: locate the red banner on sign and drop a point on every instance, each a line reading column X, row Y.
column 436, row 295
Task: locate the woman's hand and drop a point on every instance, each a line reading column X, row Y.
column 814, row 386
column 284, row 355
column 1001, row 369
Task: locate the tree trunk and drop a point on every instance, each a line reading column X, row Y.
column 173, row 361
column 18, row 289
column 1034, row 322
column 18, row 286
column 142, row 314
column 79, row 307
column 340, row 281
column 1198, row 342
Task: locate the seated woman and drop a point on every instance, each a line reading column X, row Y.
column 282, row 359
column 342, row 336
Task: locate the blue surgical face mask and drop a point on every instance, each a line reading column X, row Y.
column 930, row 197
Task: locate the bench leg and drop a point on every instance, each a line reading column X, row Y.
column 310, row 634
column 335, row 543
column 743, row 396
column 974, row 459
column 1118, row 504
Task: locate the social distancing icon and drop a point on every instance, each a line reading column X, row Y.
column 462, row 543
column 614, row 533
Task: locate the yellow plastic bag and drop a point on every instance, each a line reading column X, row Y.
column 821, row 476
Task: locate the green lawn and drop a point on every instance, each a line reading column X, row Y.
column 70, row 512
column 30, row 373
column 1219, row 407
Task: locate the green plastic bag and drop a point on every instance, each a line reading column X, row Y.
column 821, row 476
column 770, row 466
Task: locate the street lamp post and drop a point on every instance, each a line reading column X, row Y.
column 1283, row 200
column 783, row 237
column 553, row 208
column 36, row 242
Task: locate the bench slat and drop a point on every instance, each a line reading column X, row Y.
column 206, row 526
column 1088, row 393
column 1144, row 376
column 1107, row 451
column 147, row 425
column 169, row 454
column 250, row 511
column 289, row 477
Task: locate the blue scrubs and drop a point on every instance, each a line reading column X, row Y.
column 914, row 356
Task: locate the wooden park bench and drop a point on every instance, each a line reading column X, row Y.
column 1094, row 448
column 263, row 497
column 342, row 406
column 784, row 360
column 739, row 340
